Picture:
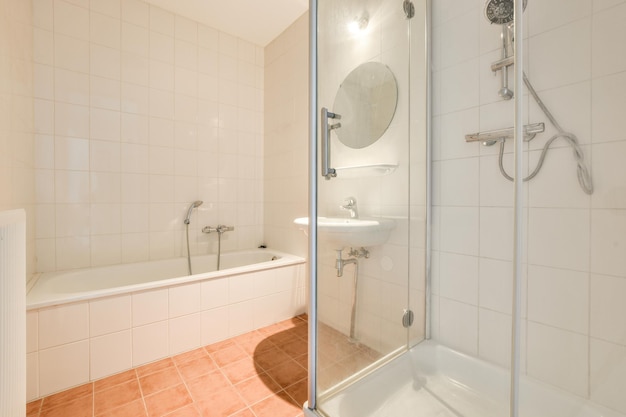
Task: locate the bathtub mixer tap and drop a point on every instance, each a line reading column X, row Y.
column 220, row 229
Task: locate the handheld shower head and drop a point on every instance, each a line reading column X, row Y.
column 501, row 12
column 193, row 205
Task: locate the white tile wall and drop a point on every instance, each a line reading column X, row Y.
column 76, row 325
column 558, row 357
column 574, row 242
column 109, row 315
column 606, row 305
column 150, row 342
column 63, row 366
column 608, row 374
column 110, row 354
column 285, row 167
column 119, row 85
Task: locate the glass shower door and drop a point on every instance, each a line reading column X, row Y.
column 365, row 244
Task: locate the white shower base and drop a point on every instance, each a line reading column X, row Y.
column 434, row 381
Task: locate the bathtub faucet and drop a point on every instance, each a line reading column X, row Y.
column 219, row 229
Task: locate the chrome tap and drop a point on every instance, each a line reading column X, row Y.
column 351, row 207
column 219, row 229
column 340, row 263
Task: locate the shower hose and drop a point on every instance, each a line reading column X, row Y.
column 584, row 177
column 188, row 252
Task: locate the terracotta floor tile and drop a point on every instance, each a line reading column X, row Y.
column 287, row 373
column 116, row 396
column 292, row 322
column 279, row 405
column 113, row 380
column 240, row 370
column 82, row 407
column 168, row 400
column 303, row 360
column 220, row 345
column 67, row 396
column 199, row 387
column 332, row 375
column 271, row 358
column 189, row 356
column 258, row 387
column 273, row 329
column 253, row 347
column 228, row 355
column 196, row 367
column 33, row 408
column 132, row 409
column 244, row 413
column 158, row 381
column 284, row 336
column 188, row 411
column 295, row 347
column 221, row 403
column 154, row 367
column 298, row 391
column 253, row 336
column 302, row 331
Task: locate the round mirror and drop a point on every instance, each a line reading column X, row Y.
column 366, row 101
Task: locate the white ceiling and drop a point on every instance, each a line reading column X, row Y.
column 257, row 21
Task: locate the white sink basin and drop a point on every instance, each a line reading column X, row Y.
column 343, row 232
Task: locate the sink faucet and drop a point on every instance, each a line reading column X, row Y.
column 351, row 207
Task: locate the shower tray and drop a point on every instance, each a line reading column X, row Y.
column 432, row 380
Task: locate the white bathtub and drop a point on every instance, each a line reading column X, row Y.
column 52, row 288
column 87, row 324
column 433, row 380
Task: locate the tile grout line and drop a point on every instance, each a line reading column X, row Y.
column 143, row 398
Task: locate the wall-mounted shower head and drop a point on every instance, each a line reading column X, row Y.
column 193, row 205
column 501, row 12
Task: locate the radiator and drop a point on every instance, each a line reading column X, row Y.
column 12, row 313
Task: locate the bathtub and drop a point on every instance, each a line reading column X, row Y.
column 83, row 325
column 433, row 380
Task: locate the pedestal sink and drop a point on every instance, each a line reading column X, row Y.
column 347, row 232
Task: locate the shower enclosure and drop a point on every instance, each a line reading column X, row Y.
column 469, row 214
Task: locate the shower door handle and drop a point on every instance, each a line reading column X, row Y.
column 327, row 171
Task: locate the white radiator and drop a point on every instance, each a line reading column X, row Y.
column 12, row 313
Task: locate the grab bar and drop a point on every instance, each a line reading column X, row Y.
column 327, row 171
column 493, row 136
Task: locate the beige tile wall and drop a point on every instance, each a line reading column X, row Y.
column 138, row 113
column 16, row 116
column 286, row 137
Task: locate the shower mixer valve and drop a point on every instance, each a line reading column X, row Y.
column 219, row 229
